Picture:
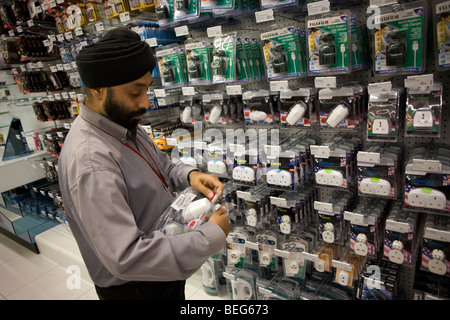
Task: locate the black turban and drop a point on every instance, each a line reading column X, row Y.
column 119, row 57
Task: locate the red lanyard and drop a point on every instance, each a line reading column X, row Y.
column 157, row 172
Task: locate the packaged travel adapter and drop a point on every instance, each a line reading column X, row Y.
column 294, row 265
column 237, row 253
column 424, row 111
column 191, row 109
column 258, row 108
column 400, row 41
column 436, row 245
column 427, row 187
column 213, row 108
column 298, row 108
column 223, row 58
column 400, row 238
column 188, row 211
column 383, row 116
column 198, row 61
column 171, row 65
column 267, row 243
column 329, row 43
column 281, row 54
column 441, row 14
column 338, row 109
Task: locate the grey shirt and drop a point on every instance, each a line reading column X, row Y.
column 112, row 199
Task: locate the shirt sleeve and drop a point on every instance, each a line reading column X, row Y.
column 130, row 254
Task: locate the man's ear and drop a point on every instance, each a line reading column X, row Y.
column 98, row 93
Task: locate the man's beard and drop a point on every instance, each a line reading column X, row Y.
column 118, row 114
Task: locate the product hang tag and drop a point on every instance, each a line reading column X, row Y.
column 264, row 16
column 181, row 31
column 318, row 7
column 381, row 87
column 320, row 151
column 368, row 157
column 30, row 23
column 188, row 91
column 68, row 35
column 279, row 85
column 125, row 16
column 214, row 31
column 78, row 31
column 382, row 3
column 234, row 90
column 99, row 26
column 160, row 93
column 60, row 37
column 152, row 42
column 426, row 80
column 427, row 165
column 325, row 82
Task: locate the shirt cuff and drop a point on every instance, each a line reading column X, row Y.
column 215, row 236
column 195, row 169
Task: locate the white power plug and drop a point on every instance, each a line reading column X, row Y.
column 360, row 247
column 437, row 263
column 337, row 116
column 215, row 114
column 216, row 166
column 375, row 186
column 328, row 233
column 257, row 116
column 319, row 265
column 396, row 253
column 186, row 115
column 292, row 266
column 296, row 113
column 381, row 126
column 195, row 209
column 423, row 120
column 436, row 200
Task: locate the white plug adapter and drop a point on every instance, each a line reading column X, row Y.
column 436, row 200
column 242, row 289
column 375, row 186
column 243, row 173
column 257, row 116
column 360, row 247
column 292, row 266
column 319, row 265
column 335, row 178
column 279, row 178
column 423, row 120
column 234, row 257
column 396, row 253
column 265, row 258
column 296, row 113
column 337, row 115
column 252, row 217
column 216, row 166
column 381, row 126
column 285, row 224
column 437, row 263
column 427, row 197
column 343, row 277
column 215, row 114
column 195, row 209
column 328, row 233
column 186, row 115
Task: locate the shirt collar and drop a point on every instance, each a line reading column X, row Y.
column 104, row 123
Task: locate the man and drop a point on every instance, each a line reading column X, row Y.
column 115, row 182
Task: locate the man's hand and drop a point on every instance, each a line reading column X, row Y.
column 221, row 219
column 205, row 183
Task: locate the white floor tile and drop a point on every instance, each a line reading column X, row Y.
column 9, row 249
column 21, row 270
column 53, row 285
